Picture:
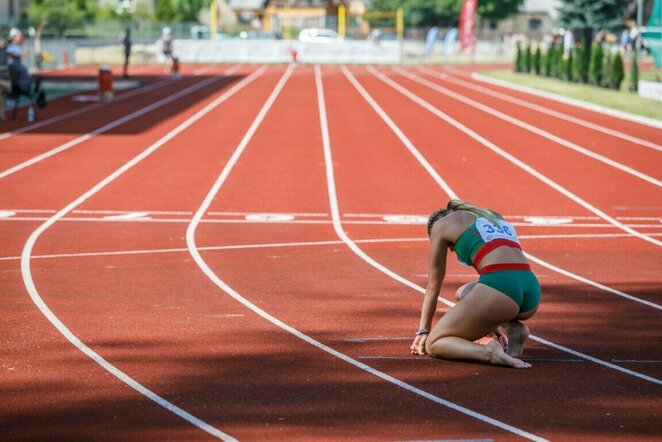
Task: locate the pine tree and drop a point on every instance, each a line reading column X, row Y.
column 537, row 59
column 580, row 65
column 617, row 74
column 569, row 68
column 518, row 58
column 595, row 68
column 548, row 60
column 607, row 66
column 527, row 59
column 589, row 16
column 634, row 71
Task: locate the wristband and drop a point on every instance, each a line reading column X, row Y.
column 422, row 331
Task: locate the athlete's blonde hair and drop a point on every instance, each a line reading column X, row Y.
column 455, row 205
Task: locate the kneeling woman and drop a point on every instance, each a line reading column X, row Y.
column 506, row 293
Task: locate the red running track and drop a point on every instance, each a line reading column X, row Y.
column 246, row 262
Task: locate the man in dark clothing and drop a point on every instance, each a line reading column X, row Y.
column 127, row 51
column 19, row 78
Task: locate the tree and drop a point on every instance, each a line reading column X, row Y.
column 537, row 59
column 617, row 74
column 590, row 15
column 634, row 71
column 443, row 12
column 498, row 9
column 59, row 15
column 595, row 68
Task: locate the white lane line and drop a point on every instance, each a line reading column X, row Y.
column 107, row 127
column 541, row 109
column 337, row 225
column 6, row 213
column 304, row 244
column 282, row 220
column 493, row 147
column 566, row 100
column 592, row 283
column 48, row 313
column 193, row 250
column 526, row 126
column 128, row 216
column 452, row 194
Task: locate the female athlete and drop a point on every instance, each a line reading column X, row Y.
column 506, row 293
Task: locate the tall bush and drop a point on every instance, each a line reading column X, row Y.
column 569, row 67
column 634, row 71
column 518, row 58
column 536, row 60
column 606, row 69
column 617, row 74
column 580, row 65
column 595, row 69
column 527, row 59
column 547, row 60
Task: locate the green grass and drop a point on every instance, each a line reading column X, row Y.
column 622, row 100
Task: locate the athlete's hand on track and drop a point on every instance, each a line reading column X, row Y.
column 418, row 347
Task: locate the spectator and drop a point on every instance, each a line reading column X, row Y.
column 126, row 41
column 167, row 48
column 19, row 80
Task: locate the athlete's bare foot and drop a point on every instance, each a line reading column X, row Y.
column 518, row 333
column 499, row 357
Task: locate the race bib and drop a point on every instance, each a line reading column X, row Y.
column 490, row 231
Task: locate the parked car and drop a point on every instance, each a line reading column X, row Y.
column 318, row 35
column 259, row 35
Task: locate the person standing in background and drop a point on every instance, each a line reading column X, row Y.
column 126, row 41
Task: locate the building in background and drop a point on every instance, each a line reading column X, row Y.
column 10, row 11
column 535, row 19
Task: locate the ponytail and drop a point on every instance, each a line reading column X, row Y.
column 454, row 205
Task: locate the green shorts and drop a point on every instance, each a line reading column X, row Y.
column 521, row 286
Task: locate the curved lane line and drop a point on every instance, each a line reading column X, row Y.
column 109, row 126
column 194, row 251
column 531, row 128
column 496, row 149
column 48, row 313
column 420, row 289
column 541, row 109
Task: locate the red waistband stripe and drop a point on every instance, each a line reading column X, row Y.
column 488, row 247
column 500, row 267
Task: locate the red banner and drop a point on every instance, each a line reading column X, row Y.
column 468, row 24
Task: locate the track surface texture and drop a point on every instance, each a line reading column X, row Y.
column 239, row 254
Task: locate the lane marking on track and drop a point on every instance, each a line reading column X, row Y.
column 269, row 217
column 130, row 117
column 566, row 100
column 6, row 213
column 193, row 250
column 531, row 128
column 541, row 109
column 516, row 161
column 545, row 221
column 59, row 325
column 129, row 216
column 284, row 220
column 452, row 194
column 300, row 244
